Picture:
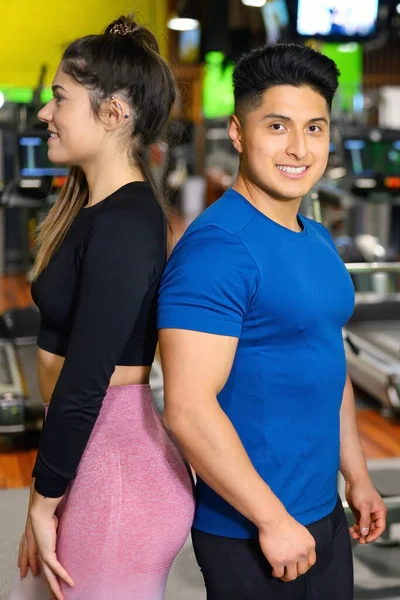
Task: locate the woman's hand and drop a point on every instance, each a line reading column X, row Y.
column 27, row 554
column 44, row 526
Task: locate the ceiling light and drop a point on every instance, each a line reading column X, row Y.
column 258, row 3
column 186, row 16
column 182, row 24
column 398, row 9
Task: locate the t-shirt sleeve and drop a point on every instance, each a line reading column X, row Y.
column 118, row 266
column 208, row 284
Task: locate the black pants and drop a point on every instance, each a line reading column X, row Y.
column 236, row 569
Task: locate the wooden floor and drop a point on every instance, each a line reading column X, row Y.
column 14, row 292
column 16, row 469
column 380, row 437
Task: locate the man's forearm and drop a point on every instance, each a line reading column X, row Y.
column 352, row 460
column 212, row 446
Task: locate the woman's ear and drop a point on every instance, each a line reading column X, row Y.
column 115, row 113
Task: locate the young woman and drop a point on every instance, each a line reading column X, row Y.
column 111, row 502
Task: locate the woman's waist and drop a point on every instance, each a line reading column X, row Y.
column 50, row 366
column 122, row 406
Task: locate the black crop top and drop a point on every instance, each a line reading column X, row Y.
column 97, row 299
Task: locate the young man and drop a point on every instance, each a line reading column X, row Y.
column 252, row 305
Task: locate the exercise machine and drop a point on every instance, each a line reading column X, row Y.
column 372, row 338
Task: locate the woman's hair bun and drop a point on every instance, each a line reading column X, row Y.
column 125, row 25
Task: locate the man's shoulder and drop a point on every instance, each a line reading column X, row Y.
column 228, row 215
column 220, row 235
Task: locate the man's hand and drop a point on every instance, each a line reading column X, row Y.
column 289, row 548
column 368, row 509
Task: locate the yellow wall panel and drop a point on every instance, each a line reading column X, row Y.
column 33, row 33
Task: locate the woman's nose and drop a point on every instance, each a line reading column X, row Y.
column 45, row 114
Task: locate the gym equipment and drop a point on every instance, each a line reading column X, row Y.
column 27, row 198
column 18, row 331
column 12, row 396
column 7, row 168
column 372, row 338
column 371, row 160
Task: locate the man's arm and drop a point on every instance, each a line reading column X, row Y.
column 196, row 366
column 366, row 504
column 353, row 465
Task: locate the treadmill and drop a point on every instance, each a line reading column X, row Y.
column 372, row 338
column 12, row 394
column 18, row 334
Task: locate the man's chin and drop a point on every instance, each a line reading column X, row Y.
column 290, row 194
column 292, row 190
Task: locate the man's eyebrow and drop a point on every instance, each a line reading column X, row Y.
column 285, row 118
column 276, row 116
column 316, row 119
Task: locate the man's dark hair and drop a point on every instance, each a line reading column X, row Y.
column 282, row 64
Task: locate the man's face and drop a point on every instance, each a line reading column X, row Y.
column 284, row 144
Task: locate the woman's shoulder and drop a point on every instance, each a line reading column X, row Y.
column 136, row 195
column 135, row 202
column 129, row 215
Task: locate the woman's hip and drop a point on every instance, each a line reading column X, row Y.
column 133, row 490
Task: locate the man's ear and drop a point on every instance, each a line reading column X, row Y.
column 235, row 133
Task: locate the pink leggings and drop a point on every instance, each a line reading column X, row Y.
column 129, row 510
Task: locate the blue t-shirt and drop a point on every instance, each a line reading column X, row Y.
column 286, row 295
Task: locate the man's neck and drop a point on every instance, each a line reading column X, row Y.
column 284, row 212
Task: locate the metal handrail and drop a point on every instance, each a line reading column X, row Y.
column 375, row 267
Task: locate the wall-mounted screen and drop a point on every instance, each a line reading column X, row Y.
column 33, row 160
column 337, row 19
column 366, row 158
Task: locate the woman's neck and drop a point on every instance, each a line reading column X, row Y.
column 108, row 175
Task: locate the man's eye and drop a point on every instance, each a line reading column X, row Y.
column 277, row 127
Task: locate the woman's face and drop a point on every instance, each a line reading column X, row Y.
column 76, row 135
